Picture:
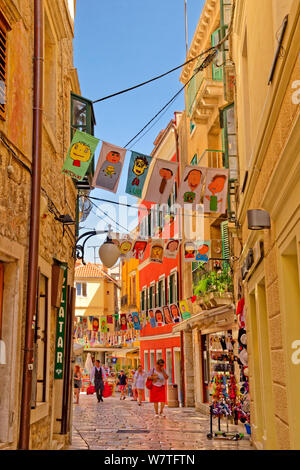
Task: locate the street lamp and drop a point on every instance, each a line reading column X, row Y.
column 108, row 252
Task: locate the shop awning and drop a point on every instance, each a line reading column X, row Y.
column 199, row 318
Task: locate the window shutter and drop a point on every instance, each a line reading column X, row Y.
column 168, row 290
column 157, row 294
column 225, row 244
column 3, row 61
column 176, row 296
column 163, row 294
column 217, row 68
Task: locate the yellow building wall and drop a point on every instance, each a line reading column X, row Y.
column 268, row 137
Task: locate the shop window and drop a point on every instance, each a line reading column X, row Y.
column 81, row 289
column 169, row 367
column 39, row 374
column 4, row 28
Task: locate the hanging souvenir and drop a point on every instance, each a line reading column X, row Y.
column 137, row 172
column 79, row 155
column 161, row 181
column 167, row 315
column 175, row 313
column 189, row 252
column 215, row 196
column 129, row 321
column 191, row 186
column 157, row 252
column 123, row 318
column 95, row 324
column 109, row 167
column 202, row 253
column 184, row 309
column 139, row 249
column 90, row 324
column 136, row 321
column 103, row 323
column 171, row 248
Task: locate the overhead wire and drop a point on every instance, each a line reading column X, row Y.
column 109, row 217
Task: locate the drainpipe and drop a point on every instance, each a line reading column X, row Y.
column 180, row 278
column 34, row 223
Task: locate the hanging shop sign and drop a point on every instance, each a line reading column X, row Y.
column 109, row 167
column 80, row 154
column 60, row 329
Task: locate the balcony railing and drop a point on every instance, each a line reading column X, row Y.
column 212, row 158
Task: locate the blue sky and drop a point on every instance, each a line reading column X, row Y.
column 119, row 43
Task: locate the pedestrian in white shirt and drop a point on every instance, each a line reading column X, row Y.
column 139, row 382
column 99, row 376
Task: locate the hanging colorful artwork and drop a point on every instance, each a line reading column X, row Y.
column 175, row 313
column 184, row 309
column 191, row 186
column 95, row 324
column 129, row 321
column 157, row 252
column 125, row 247
column 152, row 318
column 139, row 249
column 167, row 315
column 103, row 324
column 215, row 196
column 90, row 324
column 202, row 253
column 161, row 181
column 144, row 319
column 109, row 319
column 159, row 317
column 123, row 319
column 189, row 252
column 171, row 248
column 137, row 173
column 109, row 167
column 79, row 155
column 136, row 321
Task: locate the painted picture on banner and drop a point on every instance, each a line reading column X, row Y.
column 157, row 252
column 125, row 247
column 136, row 321
column 109, row 167
column 152, row 318
column 139, row 249
column 171, row 248
column 191, row 186
column 184, row 309
column 215, row 196
column 161, row 181
column 103, row 323
column 123, row 321
column 189, row 252
column 95, row 324
column 137, row 173
column 79, row 156
column 175, row 313
column 203, row 249
column 167, row 314
column 159, row 317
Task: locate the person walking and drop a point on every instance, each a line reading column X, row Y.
column 139, row 383
column 77, row 382
column 158, row 376
column 122, row 382
column 99, row 376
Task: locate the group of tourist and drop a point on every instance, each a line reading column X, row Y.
column 155, row 379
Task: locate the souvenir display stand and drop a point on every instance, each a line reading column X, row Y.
column 227, row 402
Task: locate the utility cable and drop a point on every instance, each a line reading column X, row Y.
column 204, row 64
column 107, row 215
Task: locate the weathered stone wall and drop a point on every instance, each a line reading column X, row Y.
column 15, row 166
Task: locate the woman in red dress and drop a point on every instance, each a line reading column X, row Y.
column 158, row 376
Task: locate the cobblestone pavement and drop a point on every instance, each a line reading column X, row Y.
column 123, row 425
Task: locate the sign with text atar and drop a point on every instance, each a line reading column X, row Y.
column 60, row 329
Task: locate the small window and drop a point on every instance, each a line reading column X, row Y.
column 81, row 289
column 4, row 28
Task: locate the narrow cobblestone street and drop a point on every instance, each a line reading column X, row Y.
column 122, row 425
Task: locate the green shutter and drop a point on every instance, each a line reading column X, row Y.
column 217, row 72
column 225, row 244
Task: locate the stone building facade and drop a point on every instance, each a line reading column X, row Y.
column 267, row 269
column 58, row 197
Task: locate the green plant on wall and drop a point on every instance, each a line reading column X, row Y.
column 220, row 282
